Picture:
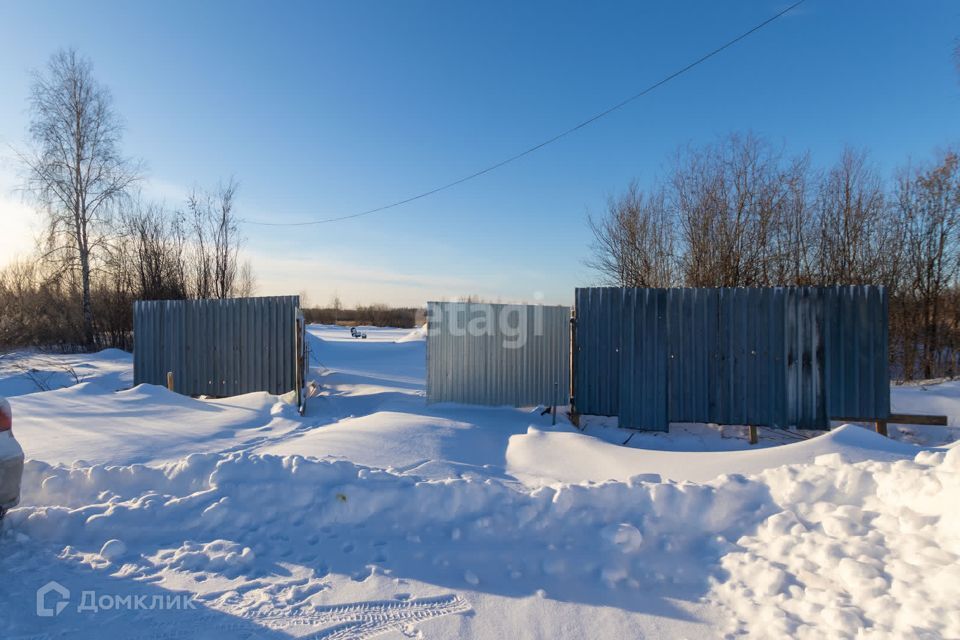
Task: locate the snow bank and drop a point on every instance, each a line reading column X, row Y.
column 941, row 398
column 543, row 457
column 827, row 549
column 205, row 492
column 420, row 333
column 147, row 423
column 237, row 515
column 871, row 548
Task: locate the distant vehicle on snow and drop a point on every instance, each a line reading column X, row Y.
column 356, row 333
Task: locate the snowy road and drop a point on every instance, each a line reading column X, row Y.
column 378, row 515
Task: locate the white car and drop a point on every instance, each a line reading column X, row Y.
column 11, row 460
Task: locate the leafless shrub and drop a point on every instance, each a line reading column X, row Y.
column 42, row 378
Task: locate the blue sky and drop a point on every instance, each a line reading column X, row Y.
column 322, row 109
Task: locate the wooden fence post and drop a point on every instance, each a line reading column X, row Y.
column 881, row 426
column 754, row 438
column 300, row 365
column 170, row 380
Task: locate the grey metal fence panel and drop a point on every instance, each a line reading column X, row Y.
column 497, row 354
column 779, row 357
column 217, row 347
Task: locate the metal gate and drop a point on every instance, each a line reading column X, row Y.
column 498, row 354
column 220, row 347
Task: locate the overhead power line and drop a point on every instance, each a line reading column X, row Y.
column 541, row 145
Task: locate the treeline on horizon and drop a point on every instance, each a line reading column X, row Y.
column 373, row 315
column 743, row 213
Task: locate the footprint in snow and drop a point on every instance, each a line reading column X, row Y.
column 363, row 574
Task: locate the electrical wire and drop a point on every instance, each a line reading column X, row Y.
column 543, row 144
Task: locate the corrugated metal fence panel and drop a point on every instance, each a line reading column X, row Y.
column 597, row 343
column 692, row 340
column 643, row 360
column 804, row 374
column 774, row 356
column 217, row 347
column 497, row 354
column 748, row 371
column 857, row 375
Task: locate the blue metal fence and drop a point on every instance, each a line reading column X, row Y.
column 777, row 357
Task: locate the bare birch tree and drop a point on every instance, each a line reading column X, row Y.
column 76, row 170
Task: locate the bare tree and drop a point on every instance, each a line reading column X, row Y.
column 732, row 214
column 216, row 254
column 336, row 305
column 851, row 213
column 157, row 245
column 76, row 171
column 226, row 241
column 634, row 242
column 246, row 282
column 732, row 200
column 930, row 207
column 792, row 235
column 201, row 260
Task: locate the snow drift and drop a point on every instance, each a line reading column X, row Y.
column 828, row 549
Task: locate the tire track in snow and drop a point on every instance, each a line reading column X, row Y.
column 360, row 620
column 350, row 621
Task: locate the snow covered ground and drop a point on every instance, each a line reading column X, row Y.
column 378, row 514
column 26, row 372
